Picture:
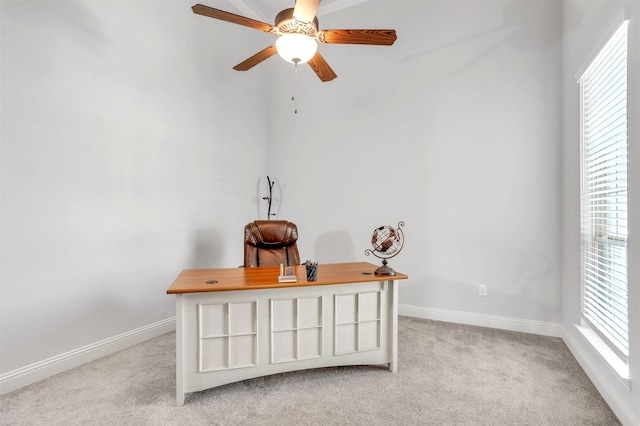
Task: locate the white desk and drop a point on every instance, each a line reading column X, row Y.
column 249, row 325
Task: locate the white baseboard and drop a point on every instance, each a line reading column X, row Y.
column 43, row 369
column 491, row 321
column 602, row 376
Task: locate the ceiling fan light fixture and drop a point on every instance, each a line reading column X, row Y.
column 296, row 48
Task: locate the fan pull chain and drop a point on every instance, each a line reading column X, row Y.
column 295, row 85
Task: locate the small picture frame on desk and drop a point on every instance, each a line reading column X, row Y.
column 287, row 274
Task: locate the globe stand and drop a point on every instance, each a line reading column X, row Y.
column 384, row 269
column 387, row 242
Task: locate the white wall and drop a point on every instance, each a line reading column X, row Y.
column 587, row 26
column 129, row 152
column 455, row 130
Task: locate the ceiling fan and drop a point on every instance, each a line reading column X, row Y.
column 298, row 34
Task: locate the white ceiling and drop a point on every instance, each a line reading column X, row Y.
column 266, row 10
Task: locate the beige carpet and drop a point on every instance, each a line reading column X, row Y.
column 449, row 374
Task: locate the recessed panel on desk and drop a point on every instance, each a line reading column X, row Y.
column 284, row 346
column 213, row 319
column 310, row 343
column 369, row 306
column 310, row 312
column 346, row 339
column 213, row 354
column 242, row 351
column 368, row 335
column 346, row 308
column 283, row 314
column 242, row 318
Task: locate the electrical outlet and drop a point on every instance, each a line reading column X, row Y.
column 482, row 290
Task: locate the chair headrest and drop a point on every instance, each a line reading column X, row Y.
column 271, row 234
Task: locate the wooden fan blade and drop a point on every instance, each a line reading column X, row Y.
column 305, row 10
column 321, row 68
column 256, row 59
column 375, row 37
column 203, row 10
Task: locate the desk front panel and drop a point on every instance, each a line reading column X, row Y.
column 225, row 337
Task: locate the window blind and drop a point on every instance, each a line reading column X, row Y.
column 605, row 289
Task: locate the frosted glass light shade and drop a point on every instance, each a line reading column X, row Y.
column 296, row 48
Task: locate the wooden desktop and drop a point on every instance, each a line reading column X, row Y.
column 239, row 323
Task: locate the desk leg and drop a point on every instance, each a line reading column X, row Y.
column 179, row 353
column 393, row 323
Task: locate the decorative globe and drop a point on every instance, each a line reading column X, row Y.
column 387, row 242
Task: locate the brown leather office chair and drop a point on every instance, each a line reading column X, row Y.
column 270, row 243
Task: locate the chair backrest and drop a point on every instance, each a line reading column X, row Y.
column 270, row 243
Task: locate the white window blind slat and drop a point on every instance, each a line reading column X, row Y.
column 610, row 128
column 604, row 70
column 602, row 89
column 595, row 304
column 605, row 285
column 606, row 171
column 595, row 272
column 606, row 97
column 609, row 288
column 599, row 315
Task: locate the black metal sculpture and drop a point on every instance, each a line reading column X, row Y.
column 269, row 198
